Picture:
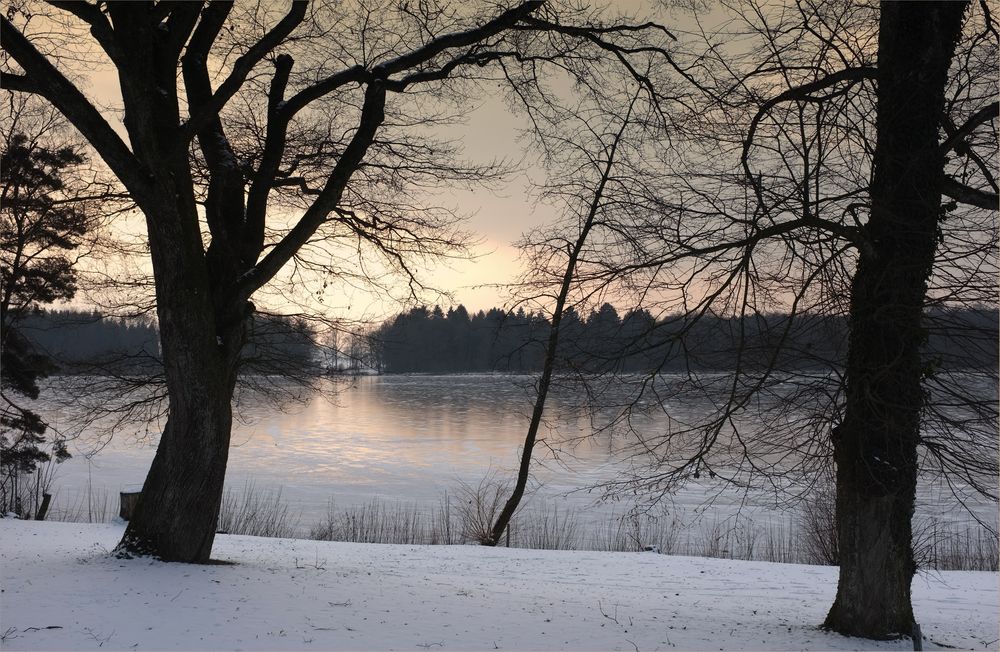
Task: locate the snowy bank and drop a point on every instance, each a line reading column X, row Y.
column 63, row 590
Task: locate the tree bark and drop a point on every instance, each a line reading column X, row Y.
column 177, row 511
column 875, row 448
column 200, row 323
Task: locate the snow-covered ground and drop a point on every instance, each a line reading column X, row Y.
column 63, row 590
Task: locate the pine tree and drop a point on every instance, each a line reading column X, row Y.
column 39, row 227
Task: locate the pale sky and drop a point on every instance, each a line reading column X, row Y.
column 497, row 218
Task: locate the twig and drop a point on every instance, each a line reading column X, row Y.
column 318, row 565
column 96, row 637
column 613, row 618
column 427, row 646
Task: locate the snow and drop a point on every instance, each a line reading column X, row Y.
column 62, row 589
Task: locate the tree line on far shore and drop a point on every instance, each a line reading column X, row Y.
column 430, row 340
column 87, row 341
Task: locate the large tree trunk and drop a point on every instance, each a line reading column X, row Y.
column 875, row 448
column 201, row 334
column 177, row 512
column 175, row 518
column 199, row 317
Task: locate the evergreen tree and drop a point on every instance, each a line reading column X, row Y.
column 40, row 225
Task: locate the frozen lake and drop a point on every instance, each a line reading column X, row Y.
column 410, row 439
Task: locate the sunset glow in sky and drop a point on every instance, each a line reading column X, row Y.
column 496, row 219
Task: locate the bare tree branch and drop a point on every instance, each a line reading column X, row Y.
column 372, row 115
column 78, row 110
column 21, row 83
column 197, row 54
column 969, row 195
column 983, row 115
column 799, row 93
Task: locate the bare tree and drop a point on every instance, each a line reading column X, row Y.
column 258, row 139
column 803, row 195
column 584, row 217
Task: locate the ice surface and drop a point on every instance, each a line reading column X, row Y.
column 412, row 438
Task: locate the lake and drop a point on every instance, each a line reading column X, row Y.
column 411, row 438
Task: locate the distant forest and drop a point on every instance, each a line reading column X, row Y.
column 89, row 342
column 430, row 340
column 433, row 341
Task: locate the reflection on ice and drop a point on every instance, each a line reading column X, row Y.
column 411, row 438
